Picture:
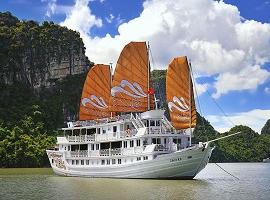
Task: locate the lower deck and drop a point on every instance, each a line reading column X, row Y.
column 186, row 162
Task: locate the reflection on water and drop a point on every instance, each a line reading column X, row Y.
column 211, row 183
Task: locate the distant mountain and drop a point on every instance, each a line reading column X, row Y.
column 266, row 128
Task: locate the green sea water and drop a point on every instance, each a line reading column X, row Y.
column 212, row 183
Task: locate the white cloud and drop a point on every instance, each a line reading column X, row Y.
column 267, row 90
column 246, row 79
column 211, row 33
column 110, row 18
column 200, row 88
column 81, row 19
column 255, row 119
column 51, row 7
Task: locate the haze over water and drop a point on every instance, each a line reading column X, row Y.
column 211, row 183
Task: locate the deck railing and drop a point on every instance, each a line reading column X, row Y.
column 81, row 138
column 105, row 152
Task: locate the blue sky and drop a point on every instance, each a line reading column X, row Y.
column 228, row 43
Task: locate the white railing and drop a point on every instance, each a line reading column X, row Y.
column 167, row 124
column 106, row 152
column 160, row 147
column 81, row 138
column 128, row 133
column 117, row 151
column 82, row 153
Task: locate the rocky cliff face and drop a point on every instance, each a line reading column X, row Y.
column 38, row 55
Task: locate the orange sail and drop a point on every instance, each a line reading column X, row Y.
column 180, row 96
column 130, row 87
column 96, row 93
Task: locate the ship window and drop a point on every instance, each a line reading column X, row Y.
column 145, row 142
column 83, row 147
column 92, row 146
column 98, row 130
column 114, row 129
column 65, row 148
column 154, row 140
column 119, row 161
column 103, row 131
column 157, row 123
column 189, row 157
column 83, row 131
column 113, row 161
column 87, row 162
column 152, row 123
column 97, row 146
column 177, row 140
column 102, row 162
column 158, row 141
column 68, row 148
column 138, row 158
column 108, row 161
column 145, row 157
column 131, row 143
column 125, row 144
column 72, row 162
column 138, row 143
column 52, row 161
column 165, row 141
column 77, row 162
column 82, row 162
column 91, row 131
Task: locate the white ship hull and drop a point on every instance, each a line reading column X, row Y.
column 183, row 164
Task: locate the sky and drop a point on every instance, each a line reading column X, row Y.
column 227, row 42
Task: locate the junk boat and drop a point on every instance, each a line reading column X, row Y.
column 121, row 132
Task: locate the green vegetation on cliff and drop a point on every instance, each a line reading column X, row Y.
column 248, row 146
column 266, row 128
column 29, row 115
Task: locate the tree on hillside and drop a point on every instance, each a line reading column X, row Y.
column 266, row 128
column 203, row 131
column 244, row 147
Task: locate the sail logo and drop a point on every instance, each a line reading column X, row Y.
column 135, row 88
column 179, row 104
column 95, row 101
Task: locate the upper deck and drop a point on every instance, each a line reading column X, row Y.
column 125, row 127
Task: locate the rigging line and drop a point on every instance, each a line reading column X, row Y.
column 223, row 112
column 153, row 67
column 227, row 172
column 196, row 92
column 227, row 117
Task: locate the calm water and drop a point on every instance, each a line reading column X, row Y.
column 211, row 183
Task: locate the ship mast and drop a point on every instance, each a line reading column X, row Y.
column 190, row 102
column 111, row 80
column 148, row 77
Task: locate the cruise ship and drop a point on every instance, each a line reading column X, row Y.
column 122, row 132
